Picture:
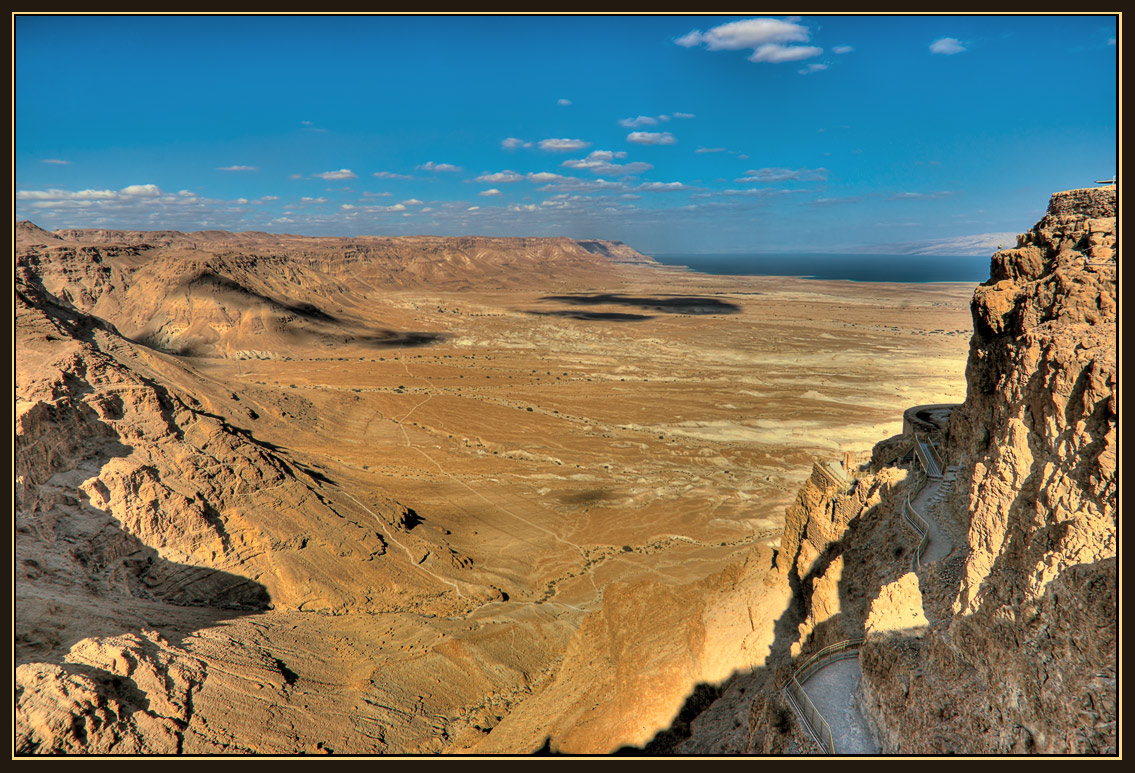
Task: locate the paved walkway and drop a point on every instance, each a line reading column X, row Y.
column 833, row 689
column 939, row 545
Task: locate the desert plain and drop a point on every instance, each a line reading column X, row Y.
column 509, row 508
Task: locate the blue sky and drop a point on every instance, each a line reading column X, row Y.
column 675, row 134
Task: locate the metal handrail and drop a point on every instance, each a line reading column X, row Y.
column 937, row 456
column 926, row 459
column 798, row 698
column 919, row 524
column 915, row 520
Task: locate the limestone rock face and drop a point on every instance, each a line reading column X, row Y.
column 1009, row 643
column 1027, row 660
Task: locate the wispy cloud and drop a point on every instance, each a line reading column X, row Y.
column 769, row 39
column 842, row 49
column 642, row 120
column 545, row 177
column 557, row 145
column 340, row 174
column 563, row 102
column 576, row 184
column 430, row 166
column 507, row 176
column 392, row 176
column 675, row 186
column 909, row 195
column 947, row 46
column 684, row 115
column 812, row 68
column 237, row 168
column 55, row 194
column 828, row 201
column 512, row 143
column 490, row 192
column 780, row 174
column 651, row 138
column 55, row 161
column 602, row 162
column 775, row 53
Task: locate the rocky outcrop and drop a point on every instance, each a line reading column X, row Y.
column 1027, row 662
column 1009, row 644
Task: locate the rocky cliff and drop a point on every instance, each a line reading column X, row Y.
column 1009, row 643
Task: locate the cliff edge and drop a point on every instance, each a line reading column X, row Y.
column 1004, row 638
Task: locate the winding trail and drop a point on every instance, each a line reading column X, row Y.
column 832, row 690
column 833, row 687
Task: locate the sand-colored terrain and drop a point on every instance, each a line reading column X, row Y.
column 495, row 502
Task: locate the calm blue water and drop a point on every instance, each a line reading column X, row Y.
column 857, row 268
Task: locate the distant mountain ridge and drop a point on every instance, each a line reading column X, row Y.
column 216, row 293
column 28, row 234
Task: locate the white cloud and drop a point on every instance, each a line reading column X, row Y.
column 507, row 176
column 430, row 166
column 141, row 190
column 1110, row 42
column 490, row 192
column 413, row 202
column 766, row 37
column 523, row 208
column 947, row 46
column 576, row 184
column 392, row 176
column 237, row 168
column 748, row 33
column 295, row 176
column 543, row 177
column 600, row 162
column 310, row 200
column 342, row 174
column 642, row 120
column 776, row 53
column 512, row 143
column 663, row 187
column 684, row 115
column 842, row 49
column 563, row 144
column 710, row 150
column 563, row 102
column 909, row 195
column 58, row 195
column 651, row 138
column 472, row 209
column 61, row 161
column 262, row 198
column 812, row 68
column 780, row 174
